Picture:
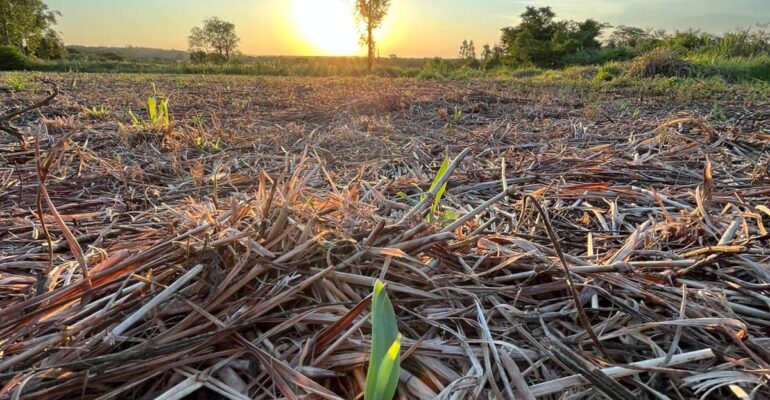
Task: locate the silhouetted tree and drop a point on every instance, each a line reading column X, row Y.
column 486, row 52
column 217, row 37
column 468, row 50
column 371, row 13
column 491, row 56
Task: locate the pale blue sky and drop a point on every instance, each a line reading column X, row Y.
column 413, row 28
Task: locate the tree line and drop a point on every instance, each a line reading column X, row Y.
column 541, row 40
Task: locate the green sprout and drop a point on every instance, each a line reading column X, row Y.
column 158, row 111
column 440, row 193
column 99, row 113
column 384, row 362
column 435, row 208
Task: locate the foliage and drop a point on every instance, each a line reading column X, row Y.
column 216, row 37
column 437, row 68
column 51, row 46
column 541, row 40
column 744, row 44
column 467, row 50
column 638, row 39
column 27, row 24
column 19, row 81
column 125, row 53
column 11, row 58
column 609, row 71
column 384, row 360
column 371, row 13
column 732, row 69
column 599, row 56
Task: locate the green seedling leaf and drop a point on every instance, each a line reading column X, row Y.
column 403, row 196
column 164, row 114
column 440, row 193
column 134, row 119
column 384, row 363
column 387, row 376
column 152, row 109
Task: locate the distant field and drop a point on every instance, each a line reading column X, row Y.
column 296, row 194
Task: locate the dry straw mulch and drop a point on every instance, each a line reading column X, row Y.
column 625, row 256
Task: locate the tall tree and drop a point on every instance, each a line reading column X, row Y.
column 25, row 23
column 468, row 50
column 486, row 53
column 371, row 13
column 217, row 37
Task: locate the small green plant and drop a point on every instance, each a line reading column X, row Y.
column 158, row 112
column 18, row 81
column 204, row 145
column 454, row 119
column 434, row 208
column 384, row 361
column 199, row 141
column 101, row 113
column 458, row 115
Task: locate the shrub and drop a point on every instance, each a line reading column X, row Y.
column 437, row 68
column 658, row 63
column 11, row 59
column 599, row 56
column 732, row 69
column 609, row 72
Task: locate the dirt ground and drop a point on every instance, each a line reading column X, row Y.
column 294, row 195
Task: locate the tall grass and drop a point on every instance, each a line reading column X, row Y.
column 732, row 69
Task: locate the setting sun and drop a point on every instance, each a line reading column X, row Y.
column 327, row 26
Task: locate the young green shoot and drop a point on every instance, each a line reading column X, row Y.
column 384, row 361
column 158, row 112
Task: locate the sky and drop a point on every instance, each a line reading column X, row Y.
column 413, row 28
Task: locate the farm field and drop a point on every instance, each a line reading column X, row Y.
column 232, row 247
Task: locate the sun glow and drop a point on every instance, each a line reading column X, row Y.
column 327, row 26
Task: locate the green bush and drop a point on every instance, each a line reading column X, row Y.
column 609, row 72
column 11, row 59
column 599, row 56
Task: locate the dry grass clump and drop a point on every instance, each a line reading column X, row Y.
column 658, row 63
